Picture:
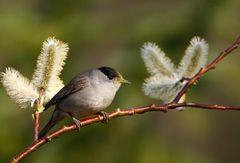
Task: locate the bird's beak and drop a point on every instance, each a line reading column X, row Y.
column 124, row 81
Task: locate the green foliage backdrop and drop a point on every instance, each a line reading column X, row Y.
column 111, row 33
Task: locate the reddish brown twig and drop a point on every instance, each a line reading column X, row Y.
column 210, row 66
column 114, row 114
column 36, row 113
column 138, row 110
column 36, row 124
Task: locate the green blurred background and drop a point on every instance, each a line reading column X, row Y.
column 112, row 33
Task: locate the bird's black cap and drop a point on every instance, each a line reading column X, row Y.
column 109, row 72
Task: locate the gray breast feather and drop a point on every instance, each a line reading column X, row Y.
column 89, row 100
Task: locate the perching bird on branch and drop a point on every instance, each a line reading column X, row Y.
column 86, row 94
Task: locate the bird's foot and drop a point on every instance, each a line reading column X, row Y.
column 77, row 123
column 105, row 116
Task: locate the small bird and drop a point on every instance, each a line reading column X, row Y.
column 86, row 94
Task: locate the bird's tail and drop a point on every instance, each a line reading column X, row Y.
column 57, row 116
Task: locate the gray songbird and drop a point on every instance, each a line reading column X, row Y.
column 86, row 94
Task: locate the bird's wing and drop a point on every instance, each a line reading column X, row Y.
column 76, row 84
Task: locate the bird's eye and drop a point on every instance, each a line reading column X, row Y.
column 111, row 77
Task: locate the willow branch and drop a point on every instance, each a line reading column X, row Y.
column 114, row 114
column 139, row 110
column 38, row 104
column 210, row 66
column 36, row 121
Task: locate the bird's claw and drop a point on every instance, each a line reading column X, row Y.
column 105, row 116
column 76, row 122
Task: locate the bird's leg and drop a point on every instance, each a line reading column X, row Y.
column 105, row 116
column 76, row 121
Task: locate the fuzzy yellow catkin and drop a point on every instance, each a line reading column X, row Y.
column 19, row 88
column 49, row 66
column 46, row 76
column 165, row 80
